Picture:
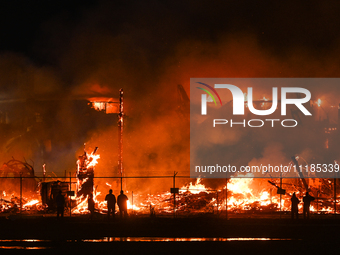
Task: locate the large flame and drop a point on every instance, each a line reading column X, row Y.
column 194, row 188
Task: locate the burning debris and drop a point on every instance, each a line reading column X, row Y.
column 12, row 171
column 85, row 180
column 85, row 173
column 18, row 187
column 239, row 195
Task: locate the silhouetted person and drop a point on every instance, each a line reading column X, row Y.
column 90, row 206
column 122, row 204
column 295, row 209
column 306, row 205
column 60, row 200
column 111, row 204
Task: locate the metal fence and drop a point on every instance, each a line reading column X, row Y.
column 156, row 194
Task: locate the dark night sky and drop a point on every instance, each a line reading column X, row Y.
column 30, row 27
column 21, row 21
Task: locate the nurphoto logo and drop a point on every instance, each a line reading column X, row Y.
column 255, row 126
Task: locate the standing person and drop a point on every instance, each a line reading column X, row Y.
column 295, row 209
column 111, row 204
column 90, row 206
column 122, row 204
column 306, row 205
column 60, row 200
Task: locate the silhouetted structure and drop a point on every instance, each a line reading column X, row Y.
column 111, row 204
column 295, row 209
column 307, row 199
column 85, row 174
column 60, row 200
column 90, row 206
column 50, row 190
column 122, row 204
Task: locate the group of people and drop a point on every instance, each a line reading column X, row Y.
column 111, row 204
column 121, row 202
column 122, row 205
column 307, row 199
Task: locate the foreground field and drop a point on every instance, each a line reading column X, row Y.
column 168, row 236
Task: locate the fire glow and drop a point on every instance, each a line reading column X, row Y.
column 238, row 196
column 192, row 198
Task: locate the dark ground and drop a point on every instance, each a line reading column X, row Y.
column 77, row 235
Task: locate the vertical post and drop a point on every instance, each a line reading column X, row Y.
column 20, row 193
column 44, row 172
column 226, row 199
column 132, row 202
column 120, row 137
column 70, row 196
column 334, row 195
column 174, row 194
column 317, row 202
column 280, row 194
column 217, row 202
column 319, row 192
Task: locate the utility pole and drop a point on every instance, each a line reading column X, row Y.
column 120, row 137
